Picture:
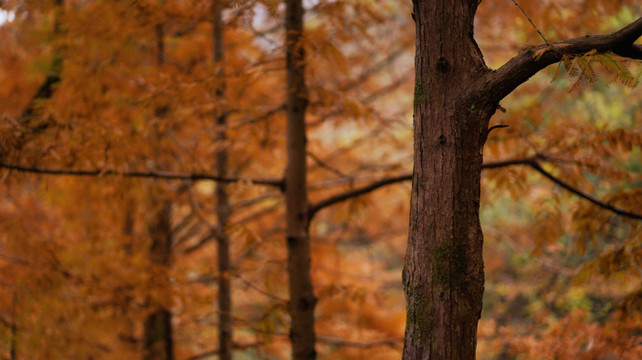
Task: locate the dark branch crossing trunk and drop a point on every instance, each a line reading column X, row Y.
column 222, row 200
column 302, row 299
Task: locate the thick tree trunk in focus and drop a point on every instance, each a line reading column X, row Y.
column 443, row 274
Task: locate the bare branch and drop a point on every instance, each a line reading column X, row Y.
column 314, row 208
column 531, row 21
column 154, row 174
column 496, row 127
column 395, row 342
column 520, row 68
column 530, row 161
column 604, row 205
column 324, row 165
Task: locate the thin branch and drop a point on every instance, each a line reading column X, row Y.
column 204, row 240
column 368, row 99
column 314, row 208
column 260, row 291
column 395, row 342
column 182, row 224
column 531, row 21
column 537, row 167
column 258, row 119
column 379, row 66
column 496, row 127
column 322, row 164
column 154, row 174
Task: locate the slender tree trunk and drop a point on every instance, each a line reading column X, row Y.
column 13, row 350
column 302, row 299
column 222, row 200
column 443, row 274
column 158, row 339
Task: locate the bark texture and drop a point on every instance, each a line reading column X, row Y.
column 443, row 273
column 302, row 299
column 222, row 199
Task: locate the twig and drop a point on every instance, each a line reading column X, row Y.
column 531, row 21
column 536, row 166
column 395, row 342
column 530, row 161
column 322, row 164
column 259, row 290
column 495, row 127
column 154, row 174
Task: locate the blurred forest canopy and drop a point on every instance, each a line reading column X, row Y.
column 120, row 122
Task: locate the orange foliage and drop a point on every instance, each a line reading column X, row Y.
column 74, row 250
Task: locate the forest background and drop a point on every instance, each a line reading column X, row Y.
column 144, row 150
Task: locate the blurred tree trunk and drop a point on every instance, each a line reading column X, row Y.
column 302, row 299
column 222, row 200
column 13, row 346
column 443, row 274
column 158, row 340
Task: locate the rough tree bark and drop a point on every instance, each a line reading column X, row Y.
column 302, row 299
column 222, row 199
column 443, row 273
column 455, row 96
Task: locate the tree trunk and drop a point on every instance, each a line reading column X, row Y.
column 455, row 96
column 302, row 299
column 158, row 341
column 443, row 274
column 13, row 346
column 158, row 336
column 222, row 200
